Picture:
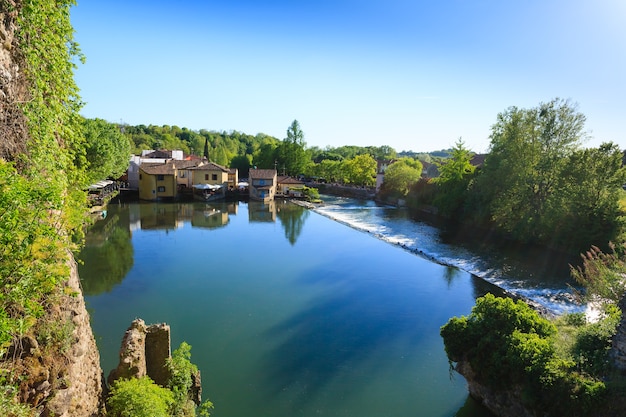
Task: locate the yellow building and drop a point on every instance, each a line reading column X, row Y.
column 157, row 181
column 210, row 181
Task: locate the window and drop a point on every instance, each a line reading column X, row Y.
column 206, row 177
column 182, row 174
column 214, row 177
column 261, row 182
column 160, row 177
column 161, row 189
column 140, row 177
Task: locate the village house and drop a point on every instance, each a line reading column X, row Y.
column 149, row 156
column 289, row 187
column 157, row 181
column 233, row 178
column 262, row 184
column 210, row 176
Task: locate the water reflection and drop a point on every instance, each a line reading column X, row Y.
column 292, row 217
column 107, row 256
column 259, row 211
column 108, row 252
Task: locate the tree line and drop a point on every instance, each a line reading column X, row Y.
column 537, row 185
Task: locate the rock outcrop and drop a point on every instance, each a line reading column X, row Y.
column 501, row 402
column 144, row 351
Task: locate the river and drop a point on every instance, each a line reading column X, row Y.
column 289, row 311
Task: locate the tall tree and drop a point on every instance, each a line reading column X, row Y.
column 291, row 154
column 107, row 150
column 206, row 148
column 536, row 169
column 454, row 178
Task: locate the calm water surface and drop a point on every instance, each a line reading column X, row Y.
column 289, row 313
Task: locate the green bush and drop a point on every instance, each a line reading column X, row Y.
column 181, row 382
column 139, row 397
column 509, row 345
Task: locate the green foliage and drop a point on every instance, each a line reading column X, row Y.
column 181, row 382
column 602, row 275
column 360, row 170
column 9, row 407
column 401, row 176
column 538, row 186
column 291, row 155
column 139, row 397
column 509, row 345
column 453, row 183
column 32, row 255
column 107, row 150
column 593, row 342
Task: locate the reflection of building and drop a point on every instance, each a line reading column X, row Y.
column 259, row 211
column 160, row 216
column 262, row 184
column 209, row 217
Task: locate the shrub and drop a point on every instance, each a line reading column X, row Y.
column 509, row 345
column 139, row 397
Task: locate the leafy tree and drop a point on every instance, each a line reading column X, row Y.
column 522, row 187
column 291, row 154
column 453, row 182
column 589, row 211
column 139, row 397
column 265, row 156
column 401, row 176
column 206, row 148
column 360, row 170
column 107, row 150
column 242, row 163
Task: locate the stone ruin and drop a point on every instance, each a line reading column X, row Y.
column 145, row 350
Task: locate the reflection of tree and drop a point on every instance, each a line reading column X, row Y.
column 292, row 217
column 450, row 273
column 106, row 265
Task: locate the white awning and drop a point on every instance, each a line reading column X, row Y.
column 207, row 186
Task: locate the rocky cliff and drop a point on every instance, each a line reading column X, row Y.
column 59, row 361
column 56, row 361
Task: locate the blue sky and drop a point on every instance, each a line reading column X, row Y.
column 414, row 75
